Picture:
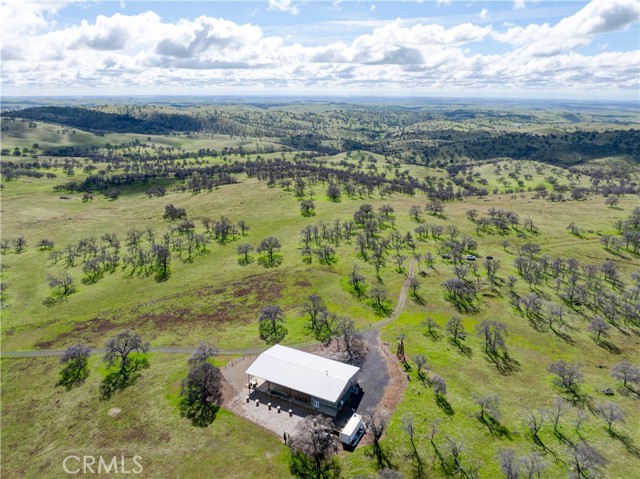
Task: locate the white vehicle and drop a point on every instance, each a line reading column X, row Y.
column 470, row 257
column 353, row 431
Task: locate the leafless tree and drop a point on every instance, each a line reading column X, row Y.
column 354, row 344
column 204, row 352
column 356, row 280
column 271, row 324
column 489, row 405
column 569, row 377
column 408, row 425
column 456, row 329
column 422, row 364
column 313, row 447
column 509, row 463
column 599, row 327
column 75, row 371
column 376, row 422
column 432, row 327
column 532, row 466
column 627, row 372
column 534, row 421
column 558, row 408
column 610, row 412
column 201, row 392
column 586, row 462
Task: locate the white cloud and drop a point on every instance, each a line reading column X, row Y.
column 484, row 13
column 519, row 4
column 372, row 8
column 443, row 2
column 599, row 16
column 144, row 53
column 284, row 6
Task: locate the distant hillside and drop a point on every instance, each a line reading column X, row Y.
column 97, row 121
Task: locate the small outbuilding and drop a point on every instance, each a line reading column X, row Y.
column 318, row 383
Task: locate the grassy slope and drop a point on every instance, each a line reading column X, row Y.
column 32, row 209
column 42, row 424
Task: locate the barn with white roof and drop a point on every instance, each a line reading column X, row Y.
column 318, row 383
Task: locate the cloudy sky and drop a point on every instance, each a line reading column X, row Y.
column 521, row 48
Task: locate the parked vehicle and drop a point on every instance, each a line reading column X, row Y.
column 353, row 431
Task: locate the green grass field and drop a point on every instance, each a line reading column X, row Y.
column 217, row 299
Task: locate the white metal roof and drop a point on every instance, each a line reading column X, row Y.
column 314, row 375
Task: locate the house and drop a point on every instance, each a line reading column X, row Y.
column 318, row 383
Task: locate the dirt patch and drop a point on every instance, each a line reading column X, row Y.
column 208, row 307
column 239, row 293
column 83, row 331
column 303, row 283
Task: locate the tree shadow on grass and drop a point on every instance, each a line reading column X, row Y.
column 201, row 414
column 462, row 348
column 242, row 261
column 626, row 441
column 383, row 310
column 162, row 277
column 504, row 362
column 418, row 299
column 268, row 263
column 305, row 468
column 381, row 455
column 566, row 337
column 608, row 345
column 119, row 379
column 496, row 428
column 73, row 377
column 443, row 404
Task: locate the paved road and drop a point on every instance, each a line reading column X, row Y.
column 402, row 301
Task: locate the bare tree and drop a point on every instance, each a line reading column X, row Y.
column 489, row 405
column 376, row 422
column 569, row 377
column 533, row 466
column 493, row 333
column 509, row 463
column 432, row 327
column 204, row 352
column 610, row 412
column 356, row 280
column 125, row 356
column 244, row 249
column 313, row 447
column 270, row 246
column 314, row 307
column 414, row 284
column 534, row 421
column 456, row 329
column 627, row 372
column 355, row 346
column 379, row 295
column 201, row 392
column 599, row 326
column 62, row 285
column 271, row 324
column 307, row 207
column 422, row 364
column 408, row 425
column 558, row 408
column 75, row 371
column 586, row 462
column 439, row 386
